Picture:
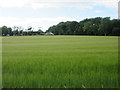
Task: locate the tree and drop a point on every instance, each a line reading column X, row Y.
column 9, row 31
column 4, row 30
column 104, row 27
column 95, row 25
column 0, row 31
column 15, row 31
column 87, row 27
column 40, row 32
column 29, row 30
column 116, row 31
column 80, row 31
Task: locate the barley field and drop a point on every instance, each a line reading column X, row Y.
column 60, row 62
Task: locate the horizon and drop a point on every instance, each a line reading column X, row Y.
column 39, row 28
column 44, row 14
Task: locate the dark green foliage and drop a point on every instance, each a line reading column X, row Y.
column 93, row 26
column 18, row 31
column 5, row 31
column 116, row 31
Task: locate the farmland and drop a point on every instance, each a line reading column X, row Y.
column 60, row 62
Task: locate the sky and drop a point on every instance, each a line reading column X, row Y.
column 46, row 13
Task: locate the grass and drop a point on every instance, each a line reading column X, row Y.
column 60, row 62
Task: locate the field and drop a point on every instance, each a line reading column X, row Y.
column 60, row 62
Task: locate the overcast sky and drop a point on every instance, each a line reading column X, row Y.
column 45, row 13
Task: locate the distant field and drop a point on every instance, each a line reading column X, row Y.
column 60, row 62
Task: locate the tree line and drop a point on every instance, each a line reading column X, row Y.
column 19, row 31
column 94, row 26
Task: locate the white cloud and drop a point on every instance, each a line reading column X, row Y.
column 13, row 3
column 45, row 23
column 109, row 4
column 58, row 3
